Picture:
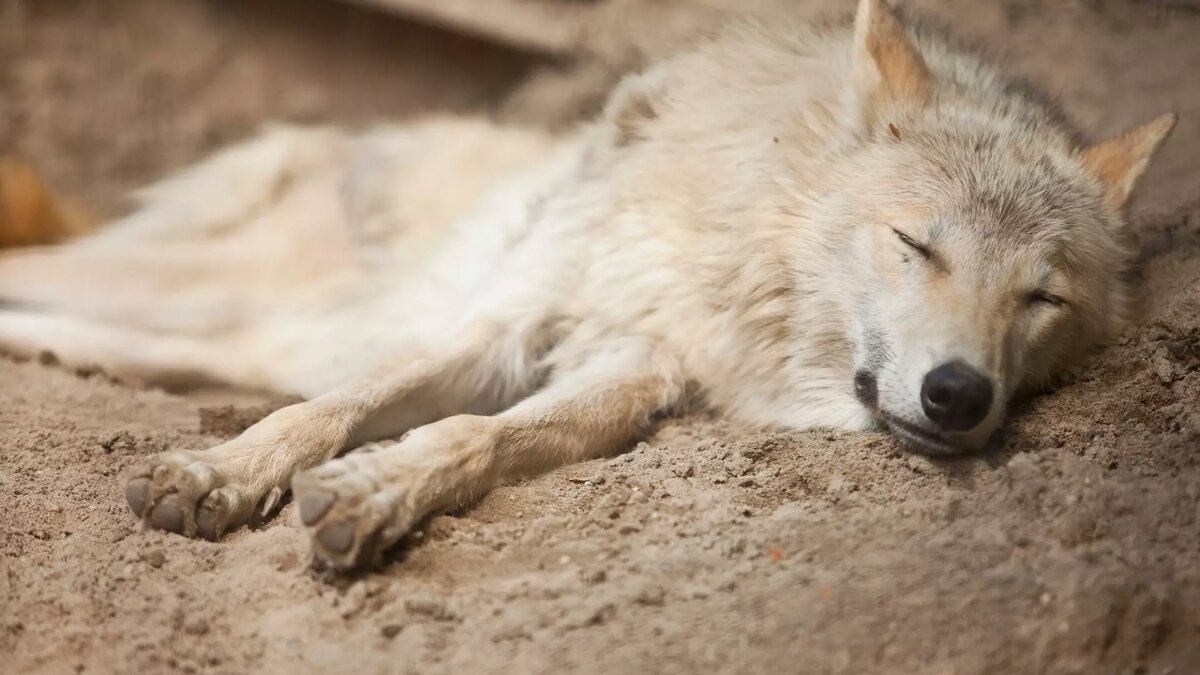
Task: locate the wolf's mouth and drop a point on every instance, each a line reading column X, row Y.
column 915, row 438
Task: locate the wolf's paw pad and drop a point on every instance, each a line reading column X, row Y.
column 180, row 492
column 350, row 515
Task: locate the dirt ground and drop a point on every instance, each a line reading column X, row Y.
column 1074, row 548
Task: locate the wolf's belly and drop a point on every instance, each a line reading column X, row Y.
column 418, row 284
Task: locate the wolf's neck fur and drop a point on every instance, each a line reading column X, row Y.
column 729, row 242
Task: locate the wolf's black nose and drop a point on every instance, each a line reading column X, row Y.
column 955, row 396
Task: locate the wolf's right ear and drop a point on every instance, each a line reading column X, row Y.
column 1118, row 163
column 887, row 68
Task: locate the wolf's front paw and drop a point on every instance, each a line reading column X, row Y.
column 352, row 511
column 194, row 493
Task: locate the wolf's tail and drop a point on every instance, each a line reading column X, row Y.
column 174, row 263
column 170, row 289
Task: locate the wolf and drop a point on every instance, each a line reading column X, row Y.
column 850, row 225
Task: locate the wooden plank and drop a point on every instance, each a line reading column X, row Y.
column 549, row 26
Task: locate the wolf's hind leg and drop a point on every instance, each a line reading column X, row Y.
column 168, row 360
column 250, row 229
column 210, row 492
column 357, row 506
column 152, row 287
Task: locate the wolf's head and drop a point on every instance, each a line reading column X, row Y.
column 987, row 243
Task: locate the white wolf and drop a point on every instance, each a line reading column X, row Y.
column 850, row 225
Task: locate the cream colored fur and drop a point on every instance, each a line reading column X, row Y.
column 730, row 227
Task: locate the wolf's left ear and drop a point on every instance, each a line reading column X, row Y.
column 887, row 66
column 635, row 103
column 1119, row 163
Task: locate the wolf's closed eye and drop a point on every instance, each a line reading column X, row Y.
column 1046, row 298
column 912, row 243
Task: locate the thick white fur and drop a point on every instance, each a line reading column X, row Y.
column 727, row 224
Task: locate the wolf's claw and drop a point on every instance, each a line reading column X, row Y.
column 314, row 505
column 168, row 515
column 350, row 515
column 183, row 493
column 137, row 493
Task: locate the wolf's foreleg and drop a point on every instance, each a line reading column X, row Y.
column 359, row 505
column 210, row 492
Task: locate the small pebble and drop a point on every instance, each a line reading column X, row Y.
column 1050, row 441
column 196, row 627
column 651, row 597
column 920, row 464
column 431, row 607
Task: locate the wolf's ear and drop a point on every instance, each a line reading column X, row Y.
column 1119, row 162
column 635, row 103
column 887, row 66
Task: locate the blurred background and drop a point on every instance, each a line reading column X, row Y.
column 103, row 95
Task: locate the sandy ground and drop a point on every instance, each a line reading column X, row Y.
column 1074, row 548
